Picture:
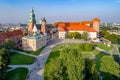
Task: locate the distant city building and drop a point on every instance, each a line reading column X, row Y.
column 91, row 27
column 117, row 32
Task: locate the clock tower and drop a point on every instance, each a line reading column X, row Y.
column 32, row 22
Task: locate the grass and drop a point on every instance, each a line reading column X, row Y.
column 103, row 46
column 104, row 62
column 17, row 74
column 32, row 52
column 87, row 55
column 108, row 65
column 17, row 58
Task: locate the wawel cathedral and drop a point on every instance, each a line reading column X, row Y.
column 38, row 34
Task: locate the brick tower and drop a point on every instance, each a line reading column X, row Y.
column 31, row 23
column 43, row 26
column 96, row 24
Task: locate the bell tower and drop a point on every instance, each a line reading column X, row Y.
column 32, row 22
column 43, row 26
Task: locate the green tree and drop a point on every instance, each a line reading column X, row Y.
column 75, row 35
column 74, row 63
column 4, row 60
column 71, row 35
column 85, row 35
column 104, row 33
column 90, row 72
column 8, row 44
column 88, row 47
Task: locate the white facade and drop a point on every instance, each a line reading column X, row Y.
column 92, row 35
column 62, row 35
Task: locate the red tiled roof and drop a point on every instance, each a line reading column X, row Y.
column 86, row 22
column 10, row 34
column 76, row 26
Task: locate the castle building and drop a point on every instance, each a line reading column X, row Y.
column 34, row 40
column 91, row 27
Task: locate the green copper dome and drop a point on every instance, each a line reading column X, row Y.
column 32, row 16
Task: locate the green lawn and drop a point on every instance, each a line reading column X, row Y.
column 103, row 46
column 87, row 55
column 17, row 74
column 104, row 62
column 17, row 58
column 32, row 52
column 108, row 65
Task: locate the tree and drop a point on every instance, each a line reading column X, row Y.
column 4, row 61
column 75, row 35
column 85, row 35
column 104, row 33
column 71, row 35
column 8, row 44
column 86, row 47
column 90, row 72
column 73, row 62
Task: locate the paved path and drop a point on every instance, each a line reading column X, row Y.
column 99, row 49
column 19, row 66
column 24, row 53
column 36, row 73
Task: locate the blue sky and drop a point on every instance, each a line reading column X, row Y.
column 15, row 11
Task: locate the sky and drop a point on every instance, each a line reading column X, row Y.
column 18, row 11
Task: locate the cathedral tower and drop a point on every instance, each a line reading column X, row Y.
column 43, row 26
column 32, row 22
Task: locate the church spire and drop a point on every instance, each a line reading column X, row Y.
column 32, row 16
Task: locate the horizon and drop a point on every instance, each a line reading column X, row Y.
column 18, row 11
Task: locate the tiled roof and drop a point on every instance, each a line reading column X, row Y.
column 78, row 26
column 9, row 34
